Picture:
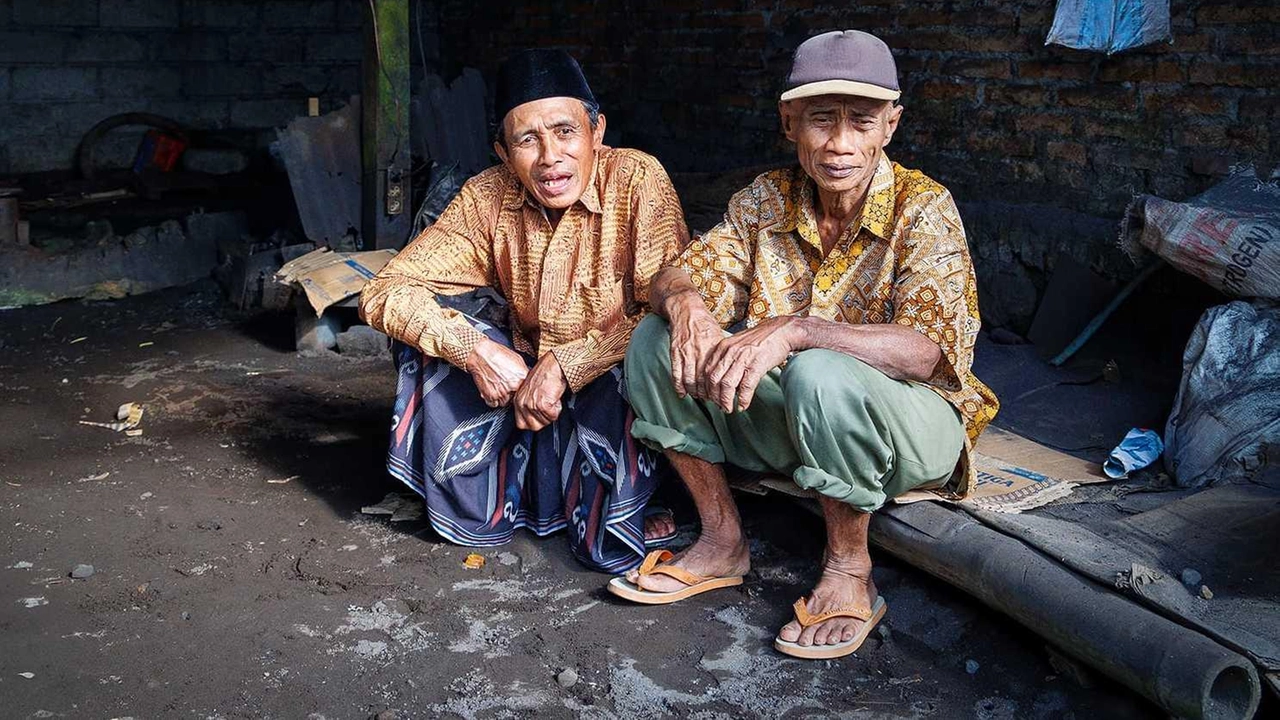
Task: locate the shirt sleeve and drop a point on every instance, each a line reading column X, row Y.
column 451, row 257
column 719, row 263
column 935, row 290
column 658, row 233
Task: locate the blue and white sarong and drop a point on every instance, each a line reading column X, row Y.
column 482, row 478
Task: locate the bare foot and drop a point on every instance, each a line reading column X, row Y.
column 659, row 525
column 709, row 556
column 838, row 588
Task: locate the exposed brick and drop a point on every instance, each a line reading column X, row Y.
column 352, row 13
column 1251, row 41
column 4, row 84
column 1123, row 156
column 105, row 47
column 997, row 68
column 1071, row 152
column 54, row 83
column 1054, row 70
column 1213, row 164
column 188, row 46
column 266, row 113
column 207, row 114
column 213, row 80
column 1002, row 145
column 1135, row 133
column 261, row 47
column 32, row 47
column 943, row 90
column 1142, row 69
column 222, row 13
column 1183, row 102
column 1240, row 14
column 308, row 80
column 1103, row 98
column 1234, row 74
column 330, row 47
column 55, row 12
column 1023, row 96
column 1044, row 123
column 139, row 82
column 299, row 14
column 138, row 13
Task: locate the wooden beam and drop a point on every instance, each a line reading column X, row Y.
column 387, row 213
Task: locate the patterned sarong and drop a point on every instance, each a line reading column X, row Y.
column 482, row 477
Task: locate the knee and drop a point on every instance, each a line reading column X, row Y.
column 814, row 378
column 649, row 354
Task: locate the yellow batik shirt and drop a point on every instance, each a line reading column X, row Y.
column 906, row 262
column 576, row 290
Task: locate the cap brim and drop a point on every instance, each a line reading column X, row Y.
column 841, row 87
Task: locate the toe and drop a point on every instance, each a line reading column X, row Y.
column 790, row 631
column 807, row 635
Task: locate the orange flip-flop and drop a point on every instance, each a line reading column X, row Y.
column 870, row 616
column 651, row 566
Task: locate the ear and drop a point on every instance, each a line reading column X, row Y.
column 891, row 123
column 597, row 135
column 787, row 111
column 502, row 153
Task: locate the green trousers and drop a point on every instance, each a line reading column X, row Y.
column 828, row 420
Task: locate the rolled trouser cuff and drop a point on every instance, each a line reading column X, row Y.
column 864, row 499
column 665, row 438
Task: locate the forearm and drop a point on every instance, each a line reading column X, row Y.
column 897, row 351
column 671, row 291
column 409, row 313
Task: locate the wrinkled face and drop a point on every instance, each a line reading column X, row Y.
column 551, row 147
column 839, row 138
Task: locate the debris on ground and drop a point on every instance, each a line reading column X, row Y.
column 1190, row 578
column 82, row 572
column 363, row 341
column 474, row 561
column 128, row 415
column 971, row 667
column 567, row 678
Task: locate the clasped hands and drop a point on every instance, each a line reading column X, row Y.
column 719, row 368
column 503, row 378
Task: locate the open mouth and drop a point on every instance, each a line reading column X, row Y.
column 837, row 171
column 554, row 184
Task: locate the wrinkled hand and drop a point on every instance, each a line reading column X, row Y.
column 736, row 365
column 694, row 332
column 539, row 399
column 497, row 370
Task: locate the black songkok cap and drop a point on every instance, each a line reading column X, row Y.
column 536, row 74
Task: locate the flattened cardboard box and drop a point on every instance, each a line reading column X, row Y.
column 329, row 277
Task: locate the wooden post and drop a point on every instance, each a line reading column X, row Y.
column 387, row 213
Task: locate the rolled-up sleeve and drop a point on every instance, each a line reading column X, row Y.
column 452, row 256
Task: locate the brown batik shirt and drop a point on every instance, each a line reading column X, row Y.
column 576, row 290
column 906, row 262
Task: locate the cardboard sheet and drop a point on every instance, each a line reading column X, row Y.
column 329, row 277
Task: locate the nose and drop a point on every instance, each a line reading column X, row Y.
column 550, row 152
column 842, row 139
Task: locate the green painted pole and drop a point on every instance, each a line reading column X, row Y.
column 387, row 212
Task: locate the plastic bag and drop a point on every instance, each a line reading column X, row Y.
column 1110, row 25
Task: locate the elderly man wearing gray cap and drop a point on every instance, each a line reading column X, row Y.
column 850, row 278
column 528, row 426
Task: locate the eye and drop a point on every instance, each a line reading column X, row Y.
column 525, row 141
column 564, row 131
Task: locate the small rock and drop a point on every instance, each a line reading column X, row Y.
column 1190, row 578
column 884, row 632
column 80, row 572
column 387, row 715
column 186, row 615
column 144, row 496
column 27, row 675
column 971, row 667
column 362, row 341
column 567, row 678
column 1205, row 592
column 21, row 565
column 507, row 558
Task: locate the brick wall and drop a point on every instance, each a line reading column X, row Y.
column 67, row 64
column 1043, row 146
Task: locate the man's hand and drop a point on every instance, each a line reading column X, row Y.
column 694, row 332
column 539, row 399
column 497, row 370
column 736, row 365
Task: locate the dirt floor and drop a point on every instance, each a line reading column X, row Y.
column 235, row 576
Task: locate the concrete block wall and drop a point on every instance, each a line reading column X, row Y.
column 1065, row 137
column 67, row 64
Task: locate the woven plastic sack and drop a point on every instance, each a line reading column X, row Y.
column 1229, row 236
column 1225, row 424
column 1110, row 26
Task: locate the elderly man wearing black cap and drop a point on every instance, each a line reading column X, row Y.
column 852, row 279
column 529, row 427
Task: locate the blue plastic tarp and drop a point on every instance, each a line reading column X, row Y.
column 1110, row 25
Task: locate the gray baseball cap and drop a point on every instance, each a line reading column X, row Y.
column 843, row 62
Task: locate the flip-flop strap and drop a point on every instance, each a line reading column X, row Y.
column 651, row 566
column 806, row 618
